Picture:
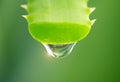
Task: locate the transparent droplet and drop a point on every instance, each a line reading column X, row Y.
column 59, row 50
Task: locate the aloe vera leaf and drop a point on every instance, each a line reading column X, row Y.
column 58, row 21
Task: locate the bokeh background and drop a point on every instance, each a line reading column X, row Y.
column 94, row 59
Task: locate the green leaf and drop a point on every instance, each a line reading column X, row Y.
column 58, row 21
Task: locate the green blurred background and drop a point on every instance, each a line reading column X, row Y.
column 94, row 59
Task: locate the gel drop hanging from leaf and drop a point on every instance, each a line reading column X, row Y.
column 58, row 23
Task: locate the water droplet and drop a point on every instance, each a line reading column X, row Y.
column 59, row 50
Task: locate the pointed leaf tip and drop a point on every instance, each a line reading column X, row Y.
column 93, row 21
column 92, row 9
column 24, row 16
column 24, row 6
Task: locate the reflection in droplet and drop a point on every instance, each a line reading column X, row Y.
column 59, row 50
